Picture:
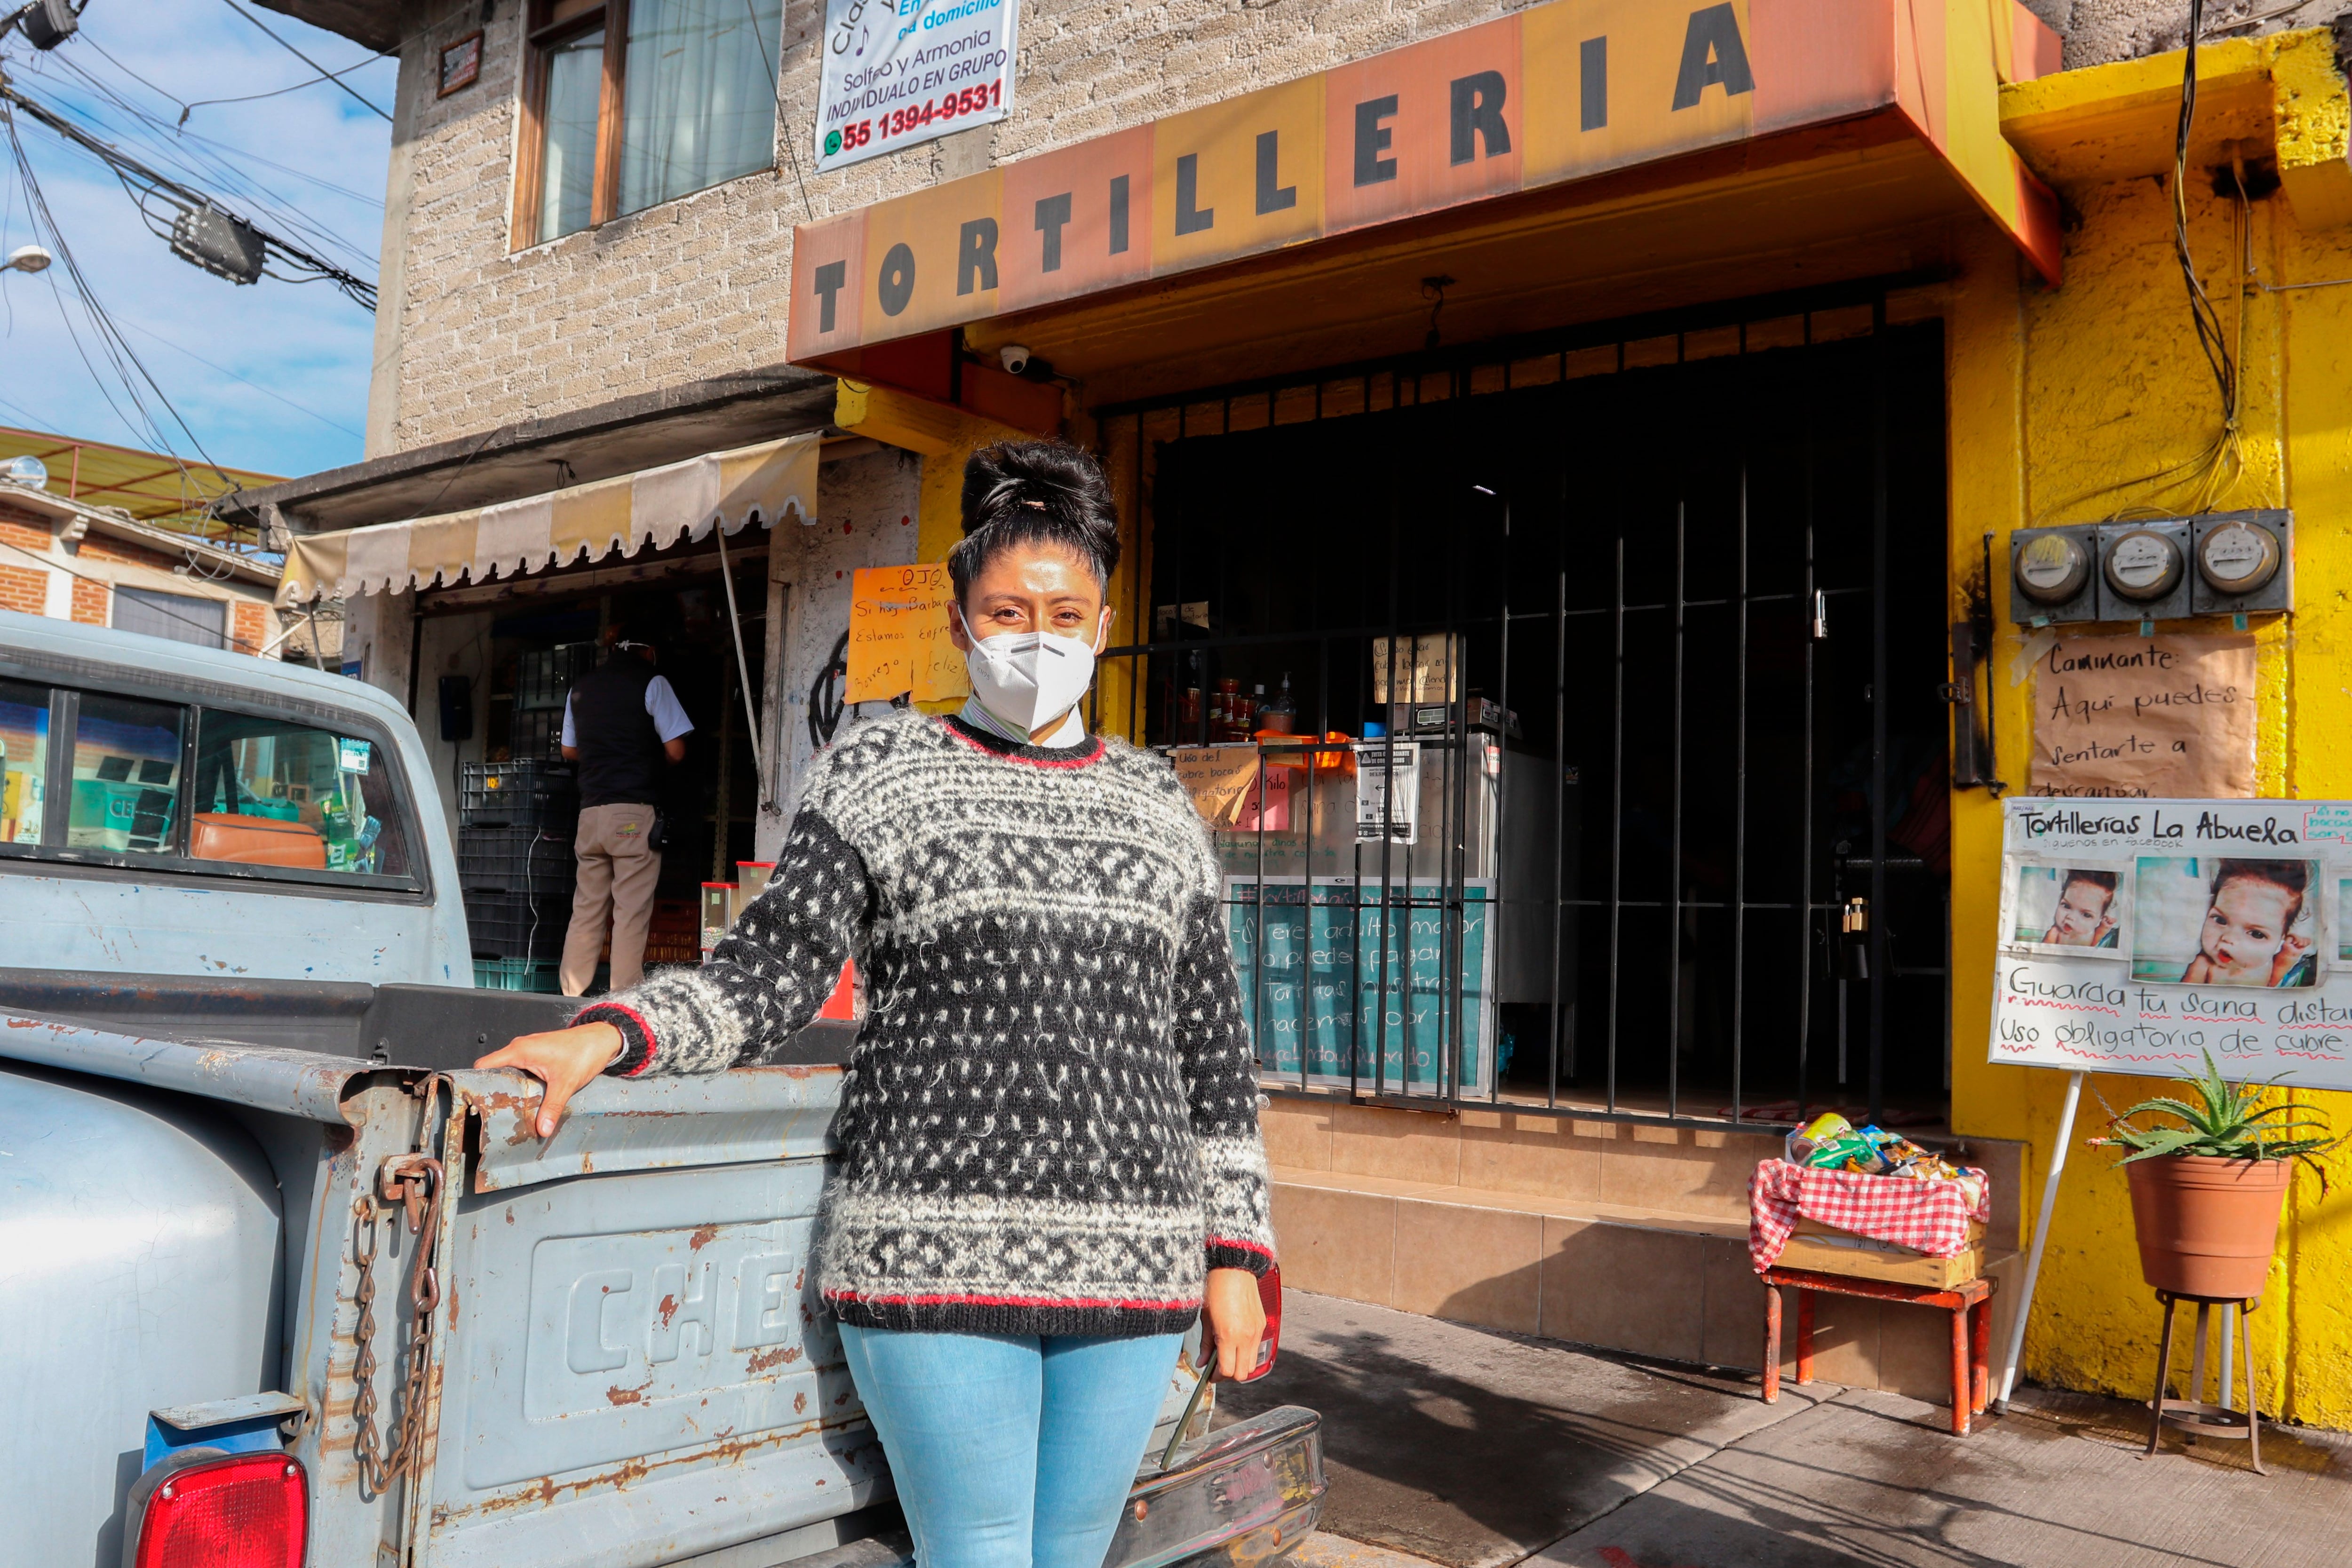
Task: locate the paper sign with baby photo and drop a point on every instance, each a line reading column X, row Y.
column 898, row 643
column 2121, row 717
column 2140, row 935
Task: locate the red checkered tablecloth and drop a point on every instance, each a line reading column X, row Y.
column 1929, row 1216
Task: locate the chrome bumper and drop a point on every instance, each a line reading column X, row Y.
column 1242, row 1496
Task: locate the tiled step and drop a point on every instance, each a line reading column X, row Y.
column 1624, row 1237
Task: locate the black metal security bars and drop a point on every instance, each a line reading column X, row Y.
column 1550, row 529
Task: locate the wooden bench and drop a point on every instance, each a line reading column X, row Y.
column 1970, row 1301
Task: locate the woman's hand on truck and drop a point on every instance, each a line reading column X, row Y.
column 565, row 1060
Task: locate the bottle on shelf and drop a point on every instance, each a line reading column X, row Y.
column 1281, row 715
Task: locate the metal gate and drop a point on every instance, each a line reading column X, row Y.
column 1652, row 618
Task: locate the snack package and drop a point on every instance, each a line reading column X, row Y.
column 1798, row 1146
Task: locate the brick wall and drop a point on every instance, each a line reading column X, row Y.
column 90, row 601
column 25, row 535
column 697, row 288
column 115, row 550
column 25, row 589
column 248, row 626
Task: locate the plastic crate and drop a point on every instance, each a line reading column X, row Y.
column 536, row 736
column 517, row 975
column 516, row 861
column 543, row 678
column 515, row 925
column 529, row 791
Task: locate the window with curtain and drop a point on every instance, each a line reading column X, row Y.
column 638, row 102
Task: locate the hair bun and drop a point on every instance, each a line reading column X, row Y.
column 1021, row 492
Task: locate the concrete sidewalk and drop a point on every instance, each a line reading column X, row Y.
column 1477, row 1450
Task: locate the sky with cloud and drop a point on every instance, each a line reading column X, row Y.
column 271, row 376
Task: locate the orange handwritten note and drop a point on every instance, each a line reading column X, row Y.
column 899, row 636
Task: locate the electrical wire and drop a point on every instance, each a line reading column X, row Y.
column 775, row 79
column 2216, row 467
column 145, row 184
column 335, row 77
column 331, row 425
column 306, row 60
column 197, row 156
column 130, row 370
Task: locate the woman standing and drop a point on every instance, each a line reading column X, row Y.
column 1049, row 1129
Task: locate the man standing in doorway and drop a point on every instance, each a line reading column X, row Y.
column 623, row 724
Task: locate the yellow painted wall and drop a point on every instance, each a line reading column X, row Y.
column 2055, row 397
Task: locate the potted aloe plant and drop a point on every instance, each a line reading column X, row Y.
column 2207, row 1195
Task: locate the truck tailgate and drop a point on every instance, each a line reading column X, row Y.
column 631, row 1366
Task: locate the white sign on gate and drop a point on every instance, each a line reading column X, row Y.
column 2136, row 936
column 897, row 72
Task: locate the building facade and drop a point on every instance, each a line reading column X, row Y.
column 69, row 560
column 1681, row 376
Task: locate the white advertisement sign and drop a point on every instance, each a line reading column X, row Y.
column 897, row 72
column 1377, row 817
column 2139, row 935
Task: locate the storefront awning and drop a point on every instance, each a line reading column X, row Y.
column 678, row 501
column 1557, row 104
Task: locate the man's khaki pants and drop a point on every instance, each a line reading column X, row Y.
column 619, row 868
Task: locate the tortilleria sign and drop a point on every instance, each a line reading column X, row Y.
column 1549, row 95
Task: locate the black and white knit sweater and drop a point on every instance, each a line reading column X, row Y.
column 1050, row 1122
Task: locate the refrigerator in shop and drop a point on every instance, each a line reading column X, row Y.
column 1379, row 931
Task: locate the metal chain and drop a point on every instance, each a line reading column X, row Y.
column 407, row 1183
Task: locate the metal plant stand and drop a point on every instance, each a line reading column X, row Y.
column 2193, row 1415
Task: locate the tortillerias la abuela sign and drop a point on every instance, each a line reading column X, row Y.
column 1551, row 94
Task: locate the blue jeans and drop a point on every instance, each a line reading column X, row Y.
column 1011, row 1452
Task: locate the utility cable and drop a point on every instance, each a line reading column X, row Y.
column 144, row 183
column 121, row 357
column 306, row 60
column 189, row 152
column 776, row 80
column 2216, row 467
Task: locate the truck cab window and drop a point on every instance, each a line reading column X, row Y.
column 24, row 759
column 126, row 774
column 271, row 792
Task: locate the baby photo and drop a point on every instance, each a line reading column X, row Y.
column 2069, row 906
column 2204, row 920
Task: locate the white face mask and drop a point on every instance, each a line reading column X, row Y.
column 1029, row 677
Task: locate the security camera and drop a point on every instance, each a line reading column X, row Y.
column 1014, row 357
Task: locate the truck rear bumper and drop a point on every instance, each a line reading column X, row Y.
column 1245, row 1495
column 1242, row 1497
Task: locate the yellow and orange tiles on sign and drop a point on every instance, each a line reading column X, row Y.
column 1556, row 93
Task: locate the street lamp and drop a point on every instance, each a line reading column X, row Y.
column 26, row 259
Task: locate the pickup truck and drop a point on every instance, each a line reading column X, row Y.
column 283, row 1280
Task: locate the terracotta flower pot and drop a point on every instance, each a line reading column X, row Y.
column 2206, row 1227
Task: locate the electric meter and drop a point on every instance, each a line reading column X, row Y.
column 2243, row 561
column 2237, row 558
column 2051, row 568
column 2142, row 566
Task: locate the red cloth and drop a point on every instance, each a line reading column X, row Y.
column 1929, row 1216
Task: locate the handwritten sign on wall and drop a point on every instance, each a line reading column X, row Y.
column 1221, row 781
column 2171, row 714
column 898, row 640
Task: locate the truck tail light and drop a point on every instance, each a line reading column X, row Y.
column 1269, row 1296
column 242, row 1511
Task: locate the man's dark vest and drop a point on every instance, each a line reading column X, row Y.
column 620, row 750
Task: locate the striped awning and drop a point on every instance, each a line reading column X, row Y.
column 662, row 506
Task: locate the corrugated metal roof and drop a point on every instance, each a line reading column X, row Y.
column 150, row 486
